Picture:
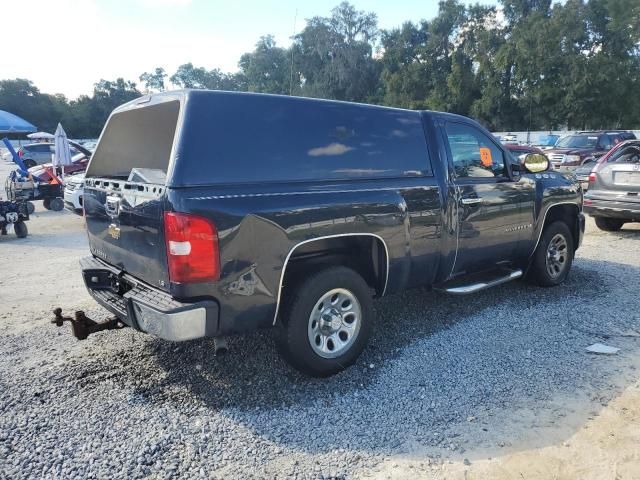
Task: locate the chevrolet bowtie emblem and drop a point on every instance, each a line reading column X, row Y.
column 114, row 231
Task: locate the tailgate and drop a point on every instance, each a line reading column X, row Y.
column 125, row 228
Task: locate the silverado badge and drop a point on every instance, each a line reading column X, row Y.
column 114, row 231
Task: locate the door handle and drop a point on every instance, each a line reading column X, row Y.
column 471, row 201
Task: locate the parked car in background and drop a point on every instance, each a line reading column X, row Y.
column 582, row 173
column 509, row 138
column 42, row 173
column 613, row 198
column 73, row 189
column 299, row 220
column 89, row 144
column 572, row 150
column 546, row 142
column 40, row 153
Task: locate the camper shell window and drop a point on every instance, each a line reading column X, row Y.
column 138, row 139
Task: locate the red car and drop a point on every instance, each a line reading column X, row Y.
column 42, row 173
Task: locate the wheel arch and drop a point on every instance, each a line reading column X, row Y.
column 566, row 212
column 372, row 263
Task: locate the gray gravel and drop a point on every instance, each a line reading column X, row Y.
column 439, row 372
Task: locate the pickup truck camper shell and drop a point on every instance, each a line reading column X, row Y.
column 266, row 210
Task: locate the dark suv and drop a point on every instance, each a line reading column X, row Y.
column 573, row 150
column 302, row 212
column 614, row 187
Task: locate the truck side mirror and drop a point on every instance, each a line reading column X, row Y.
column 536, row 162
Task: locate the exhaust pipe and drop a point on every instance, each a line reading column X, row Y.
column 220, row 346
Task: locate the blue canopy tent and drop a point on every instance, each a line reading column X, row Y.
column 10, row 123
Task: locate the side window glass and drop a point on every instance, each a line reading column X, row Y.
column 605, row 142
column 473, row 153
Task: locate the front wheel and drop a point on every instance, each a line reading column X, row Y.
column 553, row 257
column 327, row 322
column 609, row 224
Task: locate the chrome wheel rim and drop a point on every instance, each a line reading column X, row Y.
column 334, row 323
column 557, row 255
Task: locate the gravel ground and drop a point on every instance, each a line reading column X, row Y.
column 441, row 379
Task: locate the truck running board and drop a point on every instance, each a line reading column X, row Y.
column 475, row 283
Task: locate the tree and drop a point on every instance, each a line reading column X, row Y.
column 334, row 55
column 405, row 73
column 267, row 69
column 154, row 81
column 188, row 76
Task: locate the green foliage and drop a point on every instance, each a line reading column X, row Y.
column 526, row 63
column 267, row 68
column 154, row 81
column 188, row 76
column 333, row 56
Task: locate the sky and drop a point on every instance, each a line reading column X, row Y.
column 65, row 46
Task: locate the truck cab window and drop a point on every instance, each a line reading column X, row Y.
column 473, row 153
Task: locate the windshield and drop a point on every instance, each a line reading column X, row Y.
column 548, row 141
column 577, row 141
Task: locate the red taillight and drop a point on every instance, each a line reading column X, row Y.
column 192, row 248
column 592, row 177
column 20, row 153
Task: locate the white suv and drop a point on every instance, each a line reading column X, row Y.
column 74, row 186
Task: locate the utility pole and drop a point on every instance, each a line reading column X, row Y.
column 295, row 19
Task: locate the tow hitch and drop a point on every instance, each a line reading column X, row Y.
column 82, row 326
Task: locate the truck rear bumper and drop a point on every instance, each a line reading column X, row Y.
column 613, row 209
column 146, row 308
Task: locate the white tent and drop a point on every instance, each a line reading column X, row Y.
column 40, row 136
column 62, row 155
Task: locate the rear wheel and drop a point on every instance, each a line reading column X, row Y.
column 56, row 204
column 609, row 224
column 20, row 228
column 45, row 203
column 327, row 322
column 553, row 257
column 30, row 208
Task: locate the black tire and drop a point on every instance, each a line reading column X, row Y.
column 609, row 224
column 30, row 208
column 560, row 259
column 20, row 229
column 29, row 163
column 45, row 203
column 56, row 204
column 294, row 337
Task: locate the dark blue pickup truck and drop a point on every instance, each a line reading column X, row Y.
column 212, row 213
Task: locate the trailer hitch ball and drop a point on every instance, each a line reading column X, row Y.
column 82, row 326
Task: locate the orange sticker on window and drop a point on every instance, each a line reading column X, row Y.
column 485, row 157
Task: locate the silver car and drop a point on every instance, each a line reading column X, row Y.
column 39, row 153
column 613, row 198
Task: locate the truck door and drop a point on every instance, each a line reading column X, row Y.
column 489, row 219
